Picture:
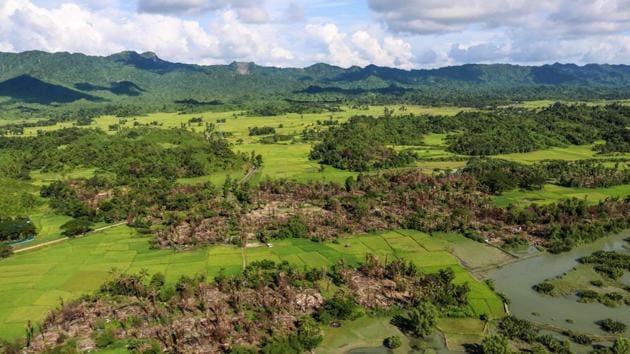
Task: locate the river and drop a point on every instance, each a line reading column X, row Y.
column 515, row 280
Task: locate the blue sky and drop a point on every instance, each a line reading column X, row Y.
column 400, row 33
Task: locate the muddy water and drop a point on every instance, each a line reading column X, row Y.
column 516, row 280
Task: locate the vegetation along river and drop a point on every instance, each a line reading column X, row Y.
column 516, row 280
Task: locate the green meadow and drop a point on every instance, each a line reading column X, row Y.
column 552, row 193
column 33, row 282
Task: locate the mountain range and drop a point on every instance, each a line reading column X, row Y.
column 60, row 78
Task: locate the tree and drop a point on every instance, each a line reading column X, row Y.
column 392, row 342
column 76, row 227
column 309, row 333
column 496, row 344
column 420, row 321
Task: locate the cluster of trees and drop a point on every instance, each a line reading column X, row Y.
column 276, row 108
column 569, row 222
column 130, row 154
column 364, row 143
column 609, row 263
column 253, row 131
column 519, row 329
column 586, row 173
column 520, row 130
column 617, row 140
column 499, row 175
column 16, row 228
column 275, row 138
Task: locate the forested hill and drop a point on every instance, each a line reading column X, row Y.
column 45, row 78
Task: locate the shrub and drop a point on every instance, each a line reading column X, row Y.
column 419, row 321
column 496, row 344
column 597, row 283
column 611, row 326
column 292, row 229
column 544, row 287
column 340, row 307
column 392, row 342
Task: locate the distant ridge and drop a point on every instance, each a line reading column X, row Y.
column 41, row 77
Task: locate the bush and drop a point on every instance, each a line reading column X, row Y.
column 105, row 338
column 261, row 131
column 340, row 307
column 611, row 326
column 294, row 228
column 494, row 345
column 544, row 288
column 420, row 321
column 598, row 283
column 392, row 342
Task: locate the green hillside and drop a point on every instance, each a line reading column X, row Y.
column 37, row 78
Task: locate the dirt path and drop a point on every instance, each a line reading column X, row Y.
column 64, row 239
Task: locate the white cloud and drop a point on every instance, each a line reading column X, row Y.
column 339, row 49
column 70, row 27
column 361, row 47
column 531, row 31
column 401, row 33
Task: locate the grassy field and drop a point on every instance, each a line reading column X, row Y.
column 366, row 332
column 569, row 153
column 552, row 193
column 33, row 282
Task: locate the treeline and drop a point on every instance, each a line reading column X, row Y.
column 520, row 130
column 502, row 175
column 365, row 143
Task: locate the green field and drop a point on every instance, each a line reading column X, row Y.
column 33, row 282
column 552, row 193
column 569, row 153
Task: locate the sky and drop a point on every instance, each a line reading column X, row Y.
column 291, row 33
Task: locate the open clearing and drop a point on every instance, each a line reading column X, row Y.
column 34, row 282
column 552, row 193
